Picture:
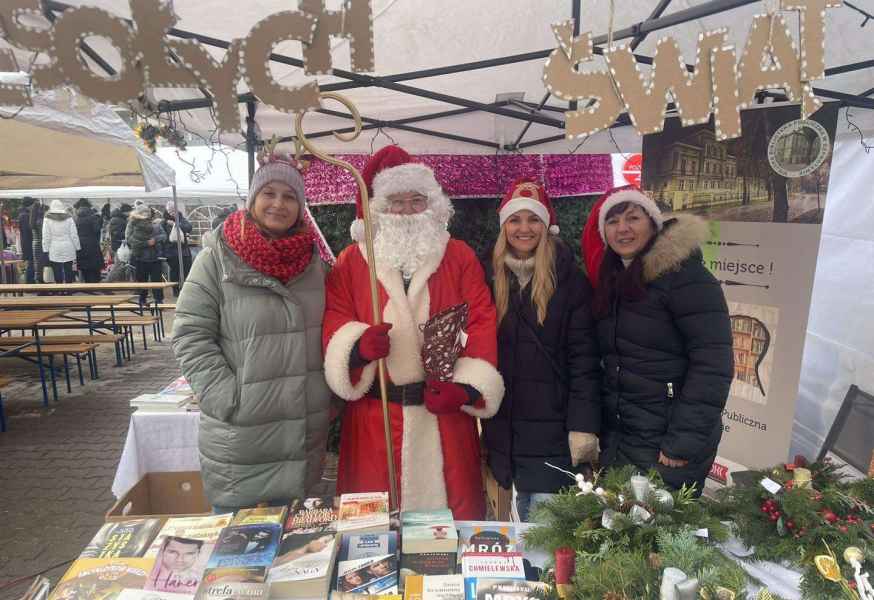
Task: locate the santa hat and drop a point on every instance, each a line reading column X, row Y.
column 393, row 171
column 593, row 241
column 527, row 194
column 628, row 193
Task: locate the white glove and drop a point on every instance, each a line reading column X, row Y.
column 583, row 447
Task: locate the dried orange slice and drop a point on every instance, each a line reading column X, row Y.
column 828, row 567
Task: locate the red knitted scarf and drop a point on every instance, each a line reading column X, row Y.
column 282, row 258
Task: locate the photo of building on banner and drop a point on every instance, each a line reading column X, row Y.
column 765, row 223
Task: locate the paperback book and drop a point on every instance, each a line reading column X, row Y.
column 363, row 512
column 434, row 587
column 266, row 514
column 312, row 514
column 367, row 563
column 231, row 589
column 125, row 539
column 303, row 565
column 179, row 566
column 485, row 536
column 509, row 589
column 246, row 546
column 130, row 594
column 103, row 578
column 207, row 529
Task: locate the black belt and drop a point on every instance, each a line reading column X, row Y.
column 412, row 394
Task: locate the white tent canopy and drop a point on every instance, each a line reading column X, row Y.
column 65, row 139
column 411, row 35
column 201, row 173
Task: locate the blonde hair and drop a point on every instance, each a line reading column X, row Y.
column 542, row 282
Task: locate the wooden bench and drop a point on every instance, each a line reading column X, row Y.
column 4, row 381
column 64, row 350
column 49, row 340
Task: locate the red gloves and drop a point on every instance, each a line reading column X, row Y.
column 443, row 397
column 374, row 343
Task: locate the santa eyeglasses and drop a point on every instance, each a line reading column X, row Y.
column 416, row 203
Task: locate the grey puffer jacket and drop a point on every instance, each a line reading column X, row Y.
column 251, row 349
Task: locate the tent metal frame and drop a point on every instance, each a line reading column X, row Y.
column 529, row 113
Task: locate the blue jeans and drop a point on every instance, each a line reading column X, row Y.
column 525, row 501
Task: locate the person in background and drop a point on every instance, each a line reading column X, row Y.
column 106, row 212
column 26, row 232
column 145, row 239
column 118, row 226
column 223, row 214
column 60, row 240
column 171, row 248
column 40, row 258
column 547, row 353
column 88, row 226
column 247, row 336
column 665, row 338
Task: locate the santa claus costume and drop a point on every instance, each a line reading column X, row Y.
column 421, row 271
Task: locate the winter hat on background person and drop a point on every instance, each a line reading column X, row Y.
column 141, row 211
column 57, row 208
column 392, row 170
column 633, row 194
column 138, row 202
column 527, row 193
column 277, row 167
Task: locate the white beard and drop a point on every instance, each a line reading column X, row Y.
column 405, row 242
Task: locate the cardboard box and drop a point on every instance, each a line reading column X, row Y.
column 163, row 495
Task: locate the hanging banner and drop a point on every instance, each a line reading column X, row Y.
column 765, row 239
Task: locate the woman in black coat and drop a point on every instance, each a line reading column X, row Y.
column 547, row 354
column 665, row 339
column 89, row 225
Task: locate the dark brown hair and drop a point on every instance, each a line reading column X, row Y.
column 616, row 281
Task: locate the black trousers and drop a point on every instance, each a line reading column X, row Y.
column 173, row 262
column 90, row 275
column 63, row 272
column 149, row 271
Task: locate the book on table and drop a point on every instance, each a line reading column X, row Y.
column 368, row 563
column 304, row 564
column 122, row 539
column 312, row 514
column 261, row 514
column 476, row 566
column 103, row 578
column 160, row 402
column 207, row 529
column 429, row 542
column 363, row 512
column 434, row 587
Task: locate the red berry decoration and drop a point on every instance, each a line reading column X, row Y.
column 843, row 528
column 790, row 524
column 830, row 516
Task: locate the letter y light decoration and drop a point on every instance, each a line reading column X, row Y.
column 371, row 264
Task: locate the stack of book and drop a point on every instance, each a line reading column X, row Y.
column 160, row 402
column 367, row 563
column 305, row 561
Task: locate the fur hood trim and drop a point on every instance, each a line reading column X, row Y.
column 682, row 236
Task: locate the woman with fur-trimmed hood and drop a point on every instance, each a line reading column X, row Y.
column 665, row 338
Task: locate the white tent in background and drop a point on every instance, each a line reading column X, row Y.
column 65, row 139
column 204, row 175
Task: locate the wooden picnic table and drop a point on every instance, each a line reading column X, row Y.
column 79, row 301
column 30, row 319
column 118, row 286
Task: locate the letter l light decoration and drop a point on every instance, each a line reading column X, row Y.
column 371, row 264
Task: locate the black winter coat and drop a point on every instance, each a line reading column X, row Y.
column 171, row 248
column 117, row 225
column 539, row 409
column 26, row 233
column 668, row 361
column 88, row 225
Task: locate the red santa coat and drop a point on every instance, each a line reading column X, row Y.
column 437, row 457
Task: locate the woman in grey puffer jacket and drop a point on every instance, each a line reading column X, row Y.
column 247, row 335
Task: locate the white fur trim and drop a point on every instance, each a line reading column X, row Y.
column 337, row 362
column 518, row 203
column 423, row 486
column 554, row 230
column 485, row 378
column 635, row 197
column 356, row 230
column 411, row 177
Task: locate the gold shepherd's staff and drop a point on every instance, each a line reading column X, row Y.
column 371, row 264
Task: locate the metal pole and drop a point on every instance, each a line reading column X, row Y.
column 179, row 235
column 250, row 137
column 3, row 245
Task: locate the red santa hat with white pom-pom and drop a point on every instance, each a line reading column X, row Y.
column 392, row 171
column 528, row 194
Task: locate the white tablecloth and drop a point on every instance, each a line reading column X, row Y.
column 157, row 441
